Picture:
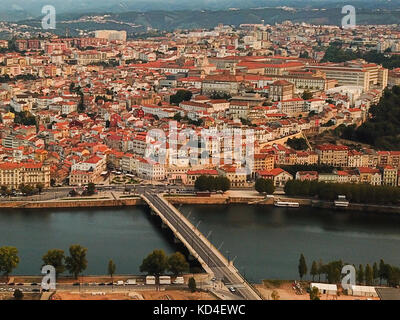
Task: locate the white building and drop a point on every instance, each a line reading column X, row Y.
column 149, row 170
column 325, row 288
column 362, row 291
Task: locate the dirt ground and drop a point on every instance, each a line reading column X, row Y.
column 139, row 295
column 286, row 292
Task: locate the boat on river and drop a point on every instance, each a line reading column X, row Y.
column 286, row 204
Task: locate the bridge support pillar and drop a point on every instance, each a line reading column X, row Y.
column 153, row 213
column 164, row 226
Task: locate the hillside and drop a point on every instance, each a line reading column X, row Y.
column 382, row 130
column 135, row 21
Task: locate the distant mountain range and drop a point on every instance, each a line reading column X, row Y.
column 172, row 20
column 22, row 9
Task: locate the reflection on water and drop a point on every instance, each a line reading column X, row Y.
column 266, row 241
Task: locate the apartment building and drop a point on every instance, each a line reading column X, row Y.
column 12, row 174
column 332, row 155
column 281, row 90
column 370, row 176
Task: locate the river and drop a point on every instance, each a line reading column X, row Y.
column 266, row 241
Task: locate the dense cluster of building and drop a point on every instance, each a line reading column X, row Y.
column 73, row 108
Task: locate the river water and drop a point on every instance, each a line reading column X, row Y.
column 265, row 241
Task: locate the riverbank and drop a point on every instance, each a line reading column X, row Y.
column 227, row 199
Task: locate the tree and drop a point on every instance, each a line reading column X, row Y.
column 264, row 185
column 111, row 268
column 177, row 263
column 40, row 187
column 320, row 269
column 155, row 263
column 4, row 190
column 18, row 294
column 275, row 295
column 382, row 271
column 201, row 183
column 177, row 117
column 297, row 143
column 91, row 189
column 55, row 258
column 302, row 266
column 314, row 294
column 314, row 269
column 181, row 95
column 375, row 271
column 307, row 95
column 9, row 260
column 360, row 274
column 192, row 284
column 76, row 262
column 369, row 275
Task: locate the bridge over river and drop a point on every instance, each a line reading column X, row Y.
column 211, row 259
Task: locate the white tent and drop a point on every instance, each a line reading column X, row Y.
column 363, row 291
column 325, row 288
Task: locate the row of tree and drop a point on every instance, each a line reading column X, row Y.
column 155, row 263
column 210, row 183
column 23, row 188
column 75, row 263
column 359, row 193
column 368, row 275
column 335, row 53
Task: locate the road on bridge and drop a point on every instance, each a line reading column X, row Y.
column 215, row 262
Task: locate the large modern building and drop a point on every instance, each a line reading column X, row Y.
column 111, row 35
column 355, row 73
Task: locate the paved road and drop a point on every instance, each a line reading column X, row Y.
column 218, row 266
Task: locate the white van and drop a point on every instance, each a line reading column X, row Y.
column 130, row 282
column 120, row 283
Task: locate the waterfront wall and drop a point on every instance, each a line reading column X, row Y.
column 192, row 200
column 71, row 204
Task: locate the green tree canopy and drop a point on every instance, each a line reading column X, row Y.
column 155, row 263
column 9, row 259
column 314, row 294
column 177, row 263
column 314, row 269
column 76, row 262
column 264, row 185
column 181, row 95
column 55, row 258
column 369, row 275
column 111, row 268
column 192, row 284
column 302, row 266
column 307, row 95
column 360, row 275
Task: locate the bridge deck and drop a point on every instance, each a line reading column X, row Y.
column 213, row 262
